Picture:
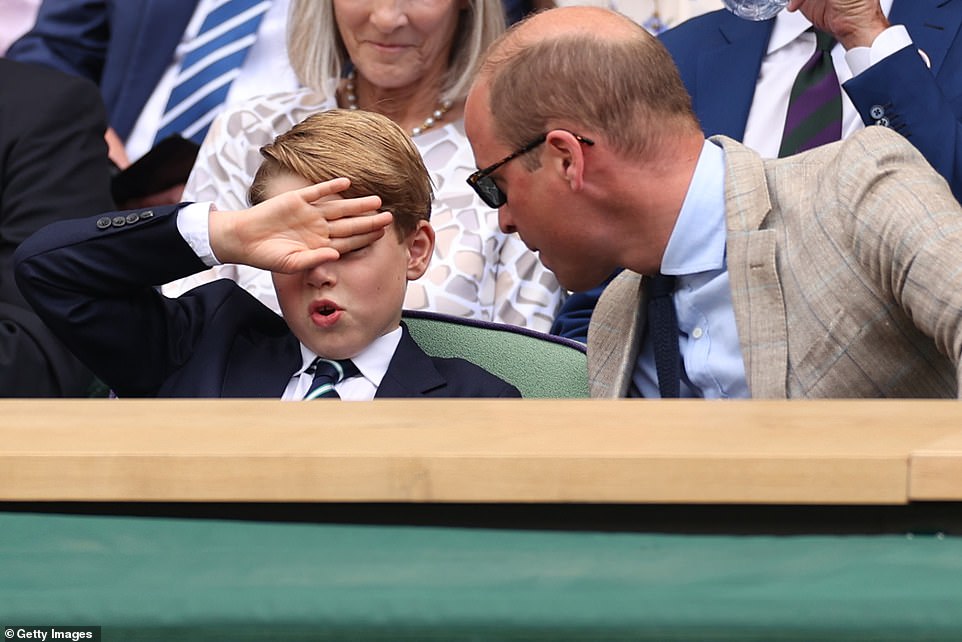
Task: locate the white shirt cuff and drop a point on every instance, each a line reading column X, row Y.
column 192, row 223
column 893, row 39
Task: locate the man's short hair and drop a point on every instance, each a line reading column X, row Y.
column 371, row 150
column 626, row 87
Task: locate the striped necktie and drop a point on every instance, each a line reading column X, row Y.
column 211, row 63
column 328, row 374
column 663, row 327
column 815, row 106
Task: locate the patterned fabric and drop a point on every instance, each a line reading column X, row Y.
column 844, row 268
column 476, row 272
column 815, row 105
column 209, row 67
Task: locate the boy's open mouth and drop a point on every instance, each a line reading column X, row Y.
column 324, row 313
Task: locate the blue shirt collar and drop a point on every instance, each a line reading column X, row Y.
column 697, row 243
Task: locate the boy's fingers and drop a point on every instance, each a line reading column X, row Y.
column 359, row 225
column 308, row 259
column 345, row 208
column 314, row 192
column 356, row 241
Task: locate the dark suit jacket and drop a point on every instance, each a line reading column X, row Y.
column 719, row 56
column 122, row 45
column 91, row 280
column 53, row 164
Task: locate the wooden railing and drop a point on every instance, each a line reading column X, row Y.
column 507, row 451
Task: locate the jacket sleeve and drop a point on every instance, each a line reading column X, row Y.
column 901, row 92
column 93, row 282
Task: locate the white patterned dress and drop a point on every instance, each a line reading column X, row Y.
column 477, row 271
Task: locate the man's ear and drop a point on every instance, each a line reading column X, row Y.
column 567, row 158
column 420, row 246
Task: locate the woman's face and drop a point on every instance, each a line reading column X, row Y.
column 398, row 43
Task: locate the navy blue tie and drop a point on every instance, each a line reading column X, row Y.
column 328, row 374
column 663, row 329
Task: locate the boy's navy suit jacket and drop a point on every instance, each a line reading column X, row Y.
column 91, row 280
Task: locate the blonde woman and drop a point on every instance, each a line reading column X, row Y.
column 413, row 61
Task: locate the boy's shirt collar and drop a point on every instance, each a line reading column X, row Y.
column 373, row 361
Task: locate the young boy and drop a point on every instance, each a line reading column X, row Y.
column 340, row 262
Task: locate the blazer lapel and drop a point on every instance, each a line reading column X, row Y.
column 614, row 336
column 725, row 83
column 411, row 372
column 933, row 25
column 756, row 291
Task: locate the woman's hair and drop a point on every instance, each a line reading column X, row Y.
column 370, row 149
column 626, row 86
column 318, row 55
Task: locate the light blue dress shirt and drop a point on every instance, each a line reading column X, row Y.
column 712, row 365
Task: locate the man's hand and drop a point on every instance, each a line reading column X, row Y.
column 854, row 23
column 115, row 149
column 298, row 230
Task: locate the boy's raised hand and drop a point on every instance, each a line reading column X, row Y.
column 297, row 230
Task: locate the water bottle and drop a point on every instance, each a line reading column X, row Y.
column 755, row 9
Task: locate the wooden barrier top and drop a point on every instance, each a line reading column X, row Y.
column 464, row 450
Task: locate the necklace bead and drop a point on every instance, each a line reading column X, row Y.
column 436, row 116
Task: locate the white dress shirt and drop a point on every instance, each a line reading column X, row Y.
column 789, row 47
column 266, row 70
column 373, row 362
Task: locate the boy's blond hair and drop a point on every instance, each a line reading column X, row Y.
column 370, row 149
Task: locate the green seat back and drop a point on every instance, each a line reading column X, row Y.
column 538, row 364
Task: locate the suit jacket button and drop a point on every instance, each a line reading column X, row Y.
column 133, row 218
column 877, row 111
column 119, row 221
column 146, row 214
column 103, row 222
column 884, row 122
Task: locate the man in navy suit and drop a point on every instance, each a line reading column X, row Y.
column 128, row 47
column 739, row 73
column 340, row 269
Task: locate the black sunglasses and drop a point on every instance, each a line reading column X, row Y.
column 484, row 185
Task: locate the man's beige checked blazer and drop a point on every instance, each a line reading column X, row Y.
column 846, row 274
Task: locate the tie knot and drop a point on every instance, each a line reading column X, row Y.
column 824, row 41
column 328, row 373
column 662, row 285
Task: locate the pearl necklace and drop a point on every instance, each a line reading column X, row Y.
column 443, row 106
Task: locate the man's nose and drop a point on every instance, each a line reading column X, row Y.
column 505, row 221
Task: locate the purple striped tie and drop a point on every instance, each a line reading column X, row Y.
column 815, row 107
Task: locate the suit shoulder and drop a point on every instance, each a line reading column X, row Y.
column 32, row 79
column 696, row 27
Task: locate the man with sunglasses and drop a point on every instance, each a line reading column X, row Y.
column 836, row 272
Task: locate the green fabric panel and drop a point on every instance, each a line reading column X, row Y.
column 153, row 578
column 537, row 368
